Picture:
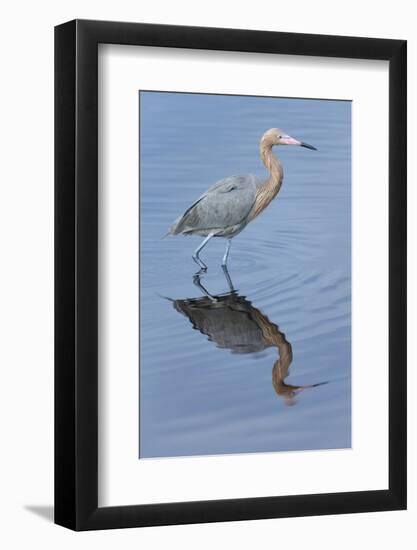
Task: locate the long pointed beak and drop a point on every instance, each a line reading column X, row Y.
column 307, row 146
column 288, row 140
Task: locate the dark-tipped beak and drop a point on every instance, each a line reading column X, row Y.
column 307, row 146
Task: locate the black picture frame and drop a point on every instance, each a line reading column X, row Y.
column 76, row 273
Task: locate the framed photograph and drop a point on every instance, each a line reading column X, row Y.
column 230, row 275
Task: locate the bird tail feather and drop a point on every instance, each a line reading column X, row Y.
column 168, row 234
column 173, row 230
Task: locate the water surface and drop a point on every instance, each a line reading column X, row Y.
column 268, row 367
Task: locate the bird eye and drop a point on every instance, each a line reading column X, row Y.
column 279, row 137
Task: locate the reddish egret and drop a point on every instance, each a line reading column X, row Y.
column 227, row 207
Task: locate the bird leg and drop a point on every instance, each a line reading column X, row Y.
column 226, row 252
column 228, row 278
column 224, row 265
column 196, row 255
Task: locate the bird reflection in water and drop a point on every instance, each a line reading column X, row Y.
column 231, row 322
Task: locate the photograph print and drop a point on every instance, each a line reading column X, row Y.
column 245, row 274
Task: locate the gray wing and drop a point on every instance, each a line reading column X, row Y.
column 227, row 203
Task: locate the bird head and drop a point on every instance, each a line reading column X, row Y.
column 275, row 136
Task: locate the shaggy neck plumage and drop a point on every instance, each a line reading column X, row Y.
column 274, row 167
column 268, row 190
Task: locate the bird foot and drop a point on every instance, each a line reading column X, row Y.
column 201, row 265
column 200, row 272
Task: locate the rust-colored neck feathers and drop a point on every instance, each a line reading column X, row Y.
column 268, row 190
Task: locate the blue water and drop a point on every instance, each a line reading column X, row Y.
column 228, row 374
